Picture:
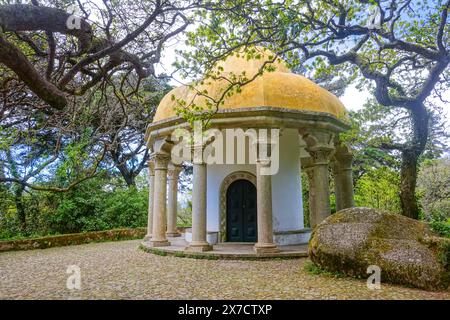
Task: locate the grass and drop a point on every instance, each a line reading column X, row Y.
column 315, row 270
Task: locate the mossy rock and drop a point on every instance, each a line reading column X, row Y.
column 405, row 249
column 72, row 239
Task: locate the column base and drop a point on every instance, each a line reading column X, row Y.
column 148, row 237
column 199, row 247
column 159, row 243
column 266, row 248
column 173, row 234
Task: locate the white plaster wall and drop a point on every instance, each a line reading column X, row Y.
column 215, row 175
column 287, row 206
column 286, row 186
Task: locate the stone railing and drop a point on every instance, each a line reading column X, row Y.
column 72, row 239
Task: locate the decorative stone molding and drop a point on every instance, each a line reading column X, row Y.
column 227, row 181
column 160, row 160
column 253, row 117
column 173, row 171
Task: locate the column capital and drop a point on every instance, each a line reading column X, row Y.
column 173, row 171
column 343, row 156
column 161, row 160
column 318, row 138
column 320, row 155
column 197, row 153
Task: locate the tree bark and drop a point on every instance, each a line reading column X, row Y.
column 408, row 178
column 25, row 17
column 410, row 160
column 127, row 174
column 21, row 215
column 14, row 59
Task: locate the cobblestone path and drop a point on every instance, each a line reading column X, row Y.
column 119, row 270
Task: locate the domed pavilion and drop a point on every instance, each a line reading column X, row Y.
column 253, row 196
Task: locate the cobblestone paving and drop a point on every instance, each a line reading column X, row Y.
column 119, row 270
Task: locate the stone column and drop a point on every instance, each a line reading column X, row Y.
column 312, row 193
column 159, row 208
column 344, row 180
column 151, row 188
column 265, row 242
column 337, row 189
column 199, row 243
column 321, row 183
column 173, row 174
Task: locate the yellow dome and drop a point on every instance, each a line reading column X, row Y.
column 279, row 88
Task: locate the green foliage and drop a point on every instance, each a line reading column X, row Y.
column 378, row 188
column 305, row 198
column 76, row 210
column 433, row 186
column 185, row 214
column 315, row 270
column 442, row 228
column 127, row 207
column 93, row 205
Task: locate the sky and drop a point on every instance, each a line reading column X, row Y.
column 353, row 99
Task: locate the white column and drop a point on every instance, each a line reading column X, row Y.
column 151, row 189
column 159, row 208
column 344, row 178
column 311, row 199
column 173, row 173
column 320, row 145
column 199, row 231
column 265, row 242
column 321, row 184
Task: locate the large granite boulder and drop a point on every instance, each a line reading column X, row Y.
column 407, row 252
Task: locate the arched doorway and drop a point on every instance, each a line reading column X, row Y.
column 241, row 212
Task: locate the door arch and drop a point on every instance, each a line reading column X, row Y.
column 241, row 212
column 226, row 182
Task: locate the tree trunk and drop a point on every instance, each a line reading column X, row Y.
column 408, row 177
column 127, row 174
column 410, row 160
column 20, row 209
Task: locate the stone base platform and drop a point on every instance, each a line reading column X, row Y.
column 226, row 250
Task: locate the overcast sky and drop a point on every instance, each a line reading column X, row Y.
column 353, row 99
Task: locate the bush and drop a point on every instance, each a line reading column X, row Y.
column 78, row 210
column 378, row 188
column 95, row 205
column 441, row 228
column 126, row 208
column 434, row 193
